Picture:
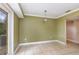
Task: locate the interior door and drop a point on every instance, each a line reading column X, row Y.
column 71, row 30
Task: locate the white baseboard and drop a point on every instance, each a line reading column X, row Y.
column 17, row 48
column 74, row 41
column 37, row 42
column 61, row 42
column 40, row 42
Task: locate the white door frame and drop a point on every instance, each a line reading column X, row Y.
column 10, row 39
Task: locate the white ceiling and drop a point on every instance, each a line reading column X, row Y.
column 53, row 9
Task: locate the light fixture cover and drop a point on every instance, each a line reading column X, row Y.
column 45, row 19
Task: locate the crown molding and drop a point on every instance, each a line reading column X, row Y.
column 40, row 16
column 19, row 12
column 75, row 10
column 16, row 8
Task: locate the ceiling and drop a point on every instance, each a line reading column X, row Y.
column 53, row 9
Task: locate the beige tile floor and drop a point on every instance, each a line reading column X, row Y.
column 53, row 48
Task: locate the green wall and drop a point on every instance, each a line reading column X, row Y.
column 61, row 30
column 35, row 29
column 61, row 25
column 16, row 31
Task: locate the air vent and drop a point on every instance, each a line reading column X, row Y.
column 67, row 11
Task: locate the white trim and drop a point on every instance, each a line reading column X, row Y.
column 40, row 16
column 5, row 7
column 68, row 13
column 8, row 8
column 54, row 17
column 41, row 42
column 17, row 48
column 61, row 42
column 65, row 33
column 74, row 41
column 19, row 13
column 10, row 30
column 36, row 42
column 16, row 8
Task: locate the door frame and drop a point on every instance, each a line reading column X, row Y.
column 75, row 28
column 10, row 30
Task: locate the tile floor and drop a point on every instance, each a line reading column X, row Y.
column 53, row 48
column 3, row 50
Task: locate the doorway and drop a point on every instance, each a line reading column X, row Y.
column 3, row 32
column 71, row 31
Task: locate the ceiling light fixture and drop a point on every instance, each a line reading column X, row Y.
column 45, row 14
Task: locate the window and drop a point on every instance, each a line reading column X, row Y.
column 3, row 19
column 3, row 31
